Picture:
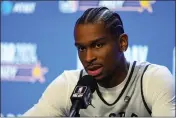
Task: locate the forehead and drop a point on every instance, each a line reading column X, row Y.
column 88, row 32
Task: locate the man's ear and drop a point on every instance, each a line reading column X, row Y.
column 123, row 42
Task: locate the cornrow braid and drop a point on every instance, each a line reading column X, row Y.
column 111, row 19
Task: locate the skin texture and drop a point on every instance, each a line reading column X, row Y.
column 98, row 48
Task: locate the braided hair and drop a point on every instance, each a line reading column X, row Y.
column 111, row 19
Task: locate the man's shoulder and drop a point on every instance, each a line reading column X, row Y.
column 66, row 80
column 152, row 66
column 157, row 72
column 155, row 68
column 68, row 76
column 72, row 72
column 154, row 71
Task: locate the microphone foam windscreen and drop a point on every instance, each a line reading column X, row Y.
column 89, row 81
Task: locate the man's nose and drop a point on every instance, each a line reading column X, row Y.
column 90, row 57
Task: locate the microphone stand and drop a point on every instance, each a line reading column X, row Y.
column 74, row 112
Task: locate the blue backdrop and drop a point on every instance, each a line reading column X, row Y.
column 37, row 43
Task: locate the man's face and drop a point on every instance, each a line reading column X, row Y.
column 97, row 49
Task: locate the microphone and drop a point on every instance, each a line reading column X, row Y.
column 82, row 95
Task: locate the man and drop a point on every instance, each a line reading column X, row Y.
column 124, row 88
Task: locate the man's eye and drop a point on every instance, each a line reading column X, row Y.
column 98, row 45
column 81, row 49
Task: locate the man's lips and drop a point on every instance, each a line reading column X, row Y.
column 94, row 71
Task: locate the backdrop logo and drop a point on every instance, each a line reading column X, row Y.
column 19, row 62
column 68, row 6
column 137, row 6
column 8, row 7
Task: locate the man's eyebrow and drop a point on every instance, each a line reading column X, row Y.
column 92, row 42
column 77, row 44
column 98, row 39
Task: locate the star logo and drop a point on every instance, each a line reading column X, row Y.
column 146, row 5
column 38, row 72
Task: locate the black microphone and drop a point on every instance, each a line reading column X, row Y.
column 82, row 95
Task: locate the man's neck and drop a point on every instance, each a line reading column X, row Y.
column 117, row 76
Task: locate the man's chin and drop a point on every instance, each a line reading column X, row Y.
column 98, row 77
